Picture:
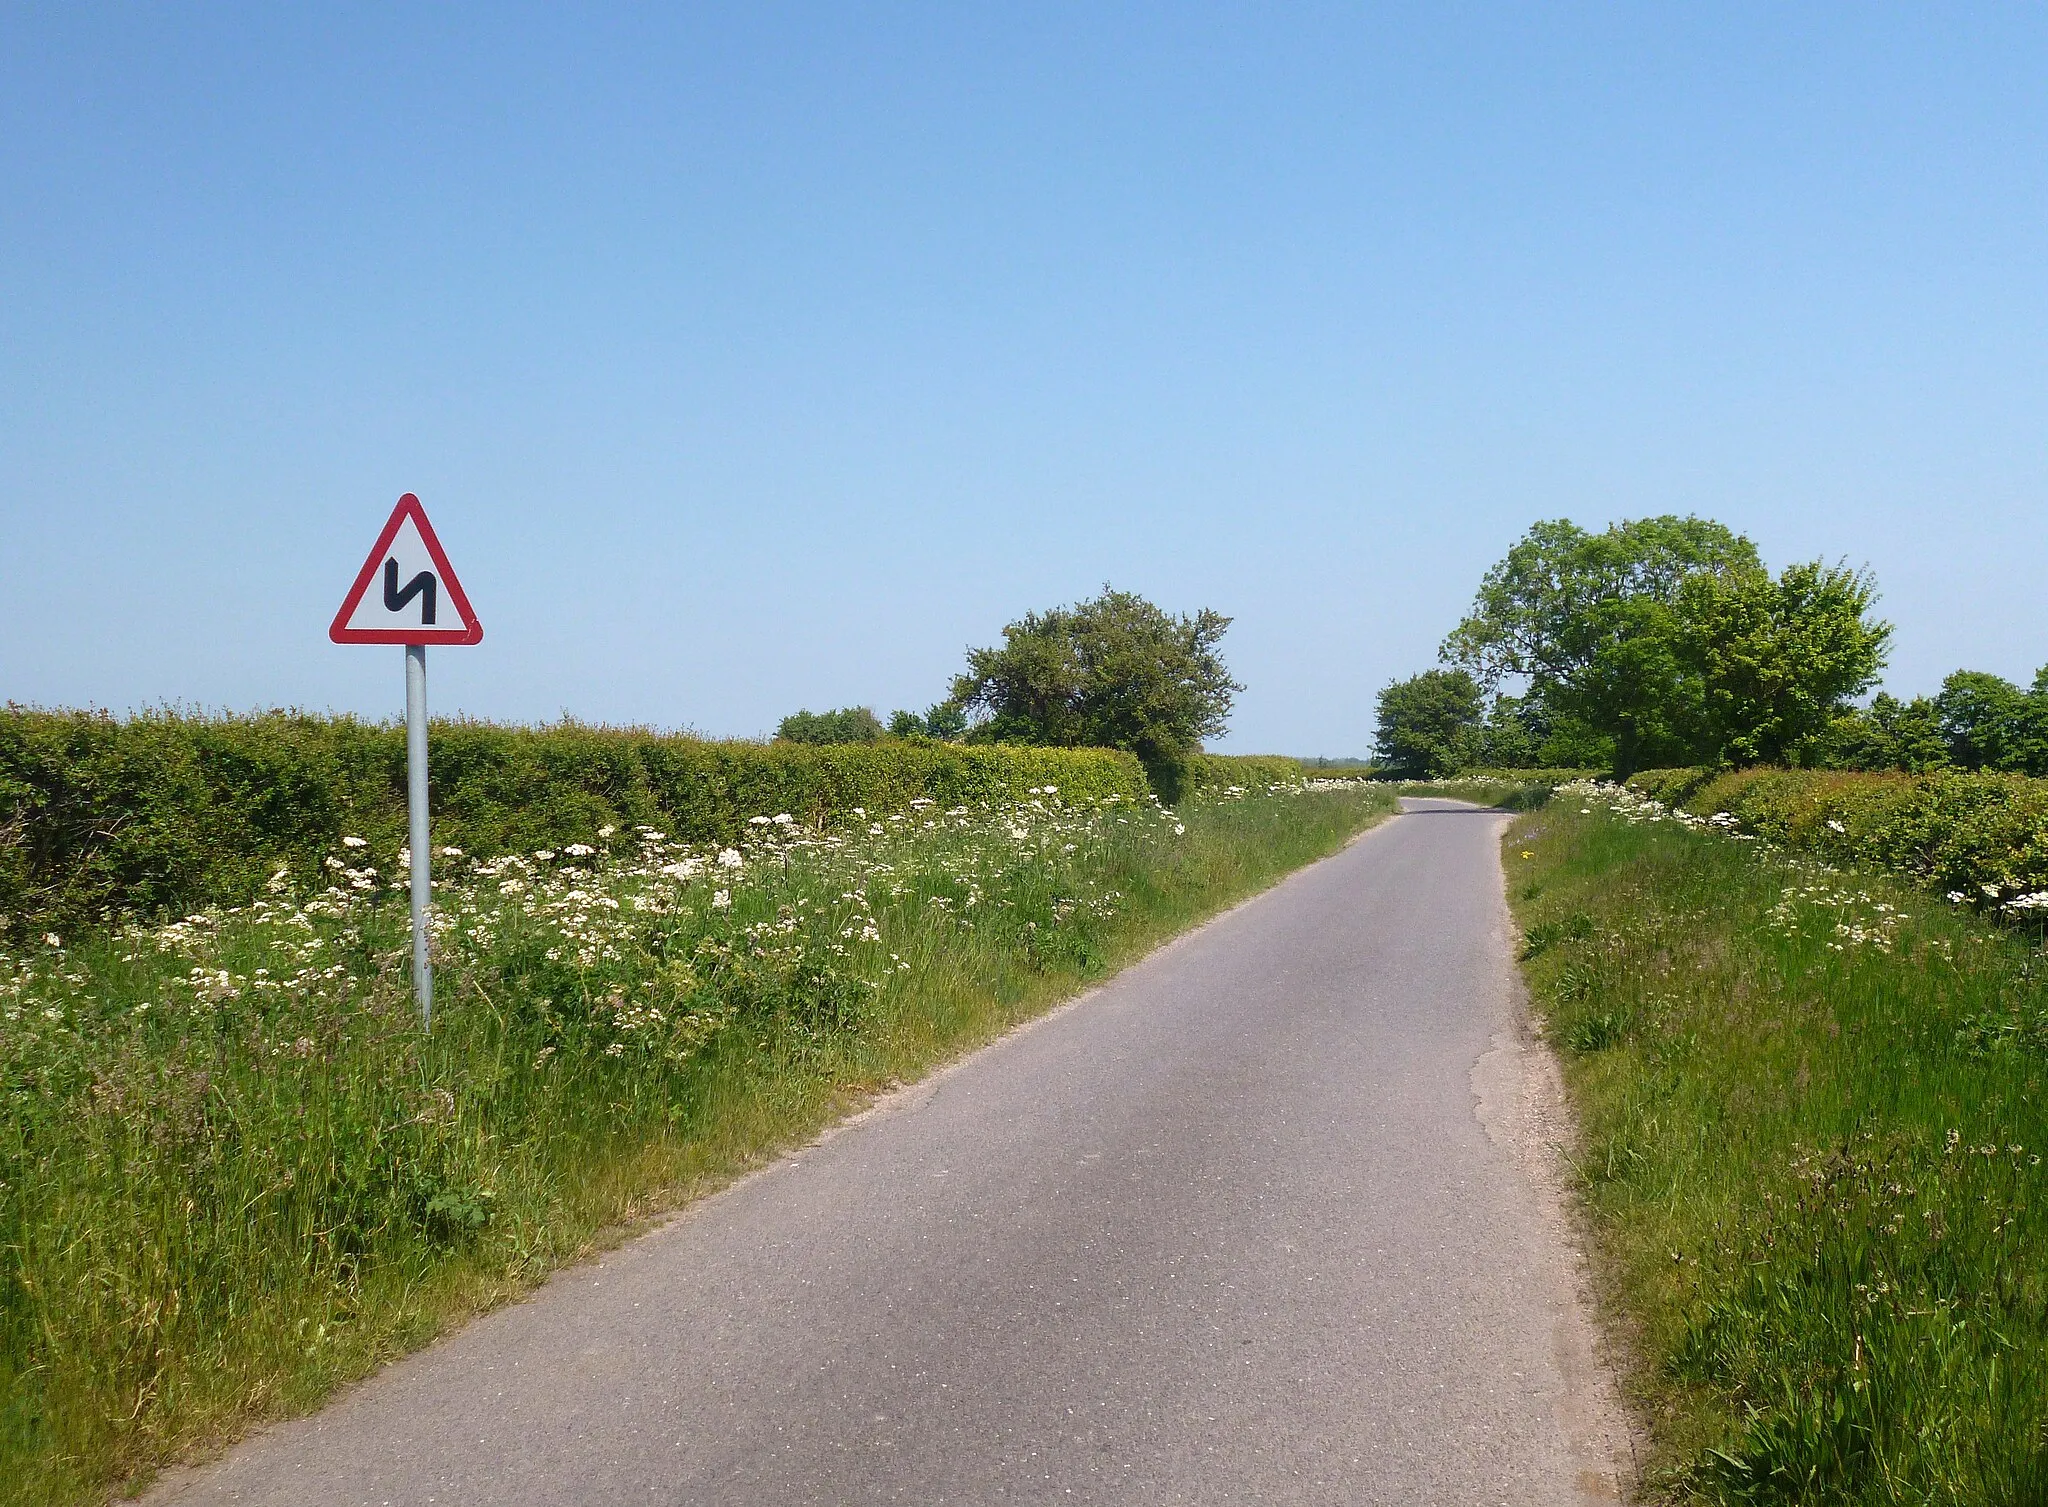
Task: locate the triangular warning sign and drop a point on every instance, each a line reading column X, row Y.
column 405, row 593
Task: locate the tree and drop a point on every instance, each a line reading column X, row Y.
column 1889, row 734
column 1776, row 661
column 1427, row 723
column 850, row 724
column 1668, row 637
column 1591, row 621
column 1990, row 723
column 942, row 720
column 1113, row 672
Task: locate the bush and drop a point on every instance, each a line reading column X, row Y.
column 164, row 813
column 1209, row 773
column 850, row 724
column 1978, row 837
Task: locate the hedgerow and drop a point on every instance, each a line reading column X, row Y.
column 1207, row 772
column 159, row 814
column 1980, row 838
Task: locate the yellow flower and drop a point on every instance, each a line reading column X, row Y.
column 1527, row 854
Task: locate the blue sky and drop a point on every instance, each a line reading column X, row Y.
column 767, row 356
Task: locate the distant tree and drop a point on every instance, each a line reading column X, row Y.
column 1990, row 723
column 851, row 724
column 946, row 721
column 943, row 720
column 1112, row 672
column 1666, row 640
column 1888, row 734
column 1427, row 723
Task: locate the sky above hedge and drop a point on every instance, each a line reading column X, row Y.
column 768, row 358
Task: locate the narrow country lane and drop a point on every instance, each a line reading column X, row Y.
column 1257, row 1222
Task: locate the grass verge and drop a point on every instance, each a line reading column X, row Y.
column 1811, row 1151
column 234, row 1174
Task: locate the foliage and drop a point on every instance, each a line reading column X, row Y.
column 1811, row 1132
column 1889, row 734
column 234, row 1174
column 1668, row 637
column 1776, row 660
column 1426, row 722
column 1507, row 790
column 1979, row 839
column 1112, row 672
column 1211, row 774
column 1990, row 723
column 162, row 814
column 943, row 720
column 1432, row 725
column 850, row 724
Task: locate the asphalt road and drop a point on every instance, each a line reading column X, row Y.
column 1260, row 1221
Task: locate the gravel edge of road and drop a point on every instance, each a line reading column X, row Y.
column 1519, row 1098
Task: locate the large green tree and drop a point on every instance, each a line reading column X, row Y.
column 1668, row 638
column 1112, row 672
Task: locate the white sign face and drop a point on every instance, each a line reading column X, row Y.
column 405, row 592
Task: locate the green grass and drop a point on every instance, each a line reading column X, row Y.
column 234, row 1174
column 1811, row 1154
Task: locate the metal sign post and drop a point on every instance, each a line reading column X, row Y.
column 416, row 816
column 416, row 584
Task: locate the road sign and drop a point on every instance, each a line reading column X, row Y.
column 405, row 593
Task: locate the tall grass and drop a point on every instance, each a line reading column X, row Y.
column 1812, row 1149
column 234, row 1173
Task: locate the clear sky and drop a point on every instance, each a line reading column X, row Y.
column 764, row 356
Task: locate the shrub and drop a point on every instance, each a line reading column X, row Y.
column 1208, row 773
column 160, row 814
column 1981, row 838
column 850, row 724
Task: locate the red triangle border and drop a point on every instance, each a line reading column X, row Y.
column 471, row 633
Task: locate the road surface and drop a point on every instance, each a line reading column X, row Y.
column 1260, row 1221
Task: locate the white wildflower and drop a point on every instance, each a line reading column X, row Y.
column 722, row 900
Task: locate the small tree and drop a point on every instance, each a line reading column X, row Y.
column 1114, row 672
column 1428, row 723
column 850, row 724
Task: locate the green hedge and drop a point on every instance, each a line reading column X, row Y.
column 163, row 813
column 1981, row 836
column 1211, row 772
column 1545, row 776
